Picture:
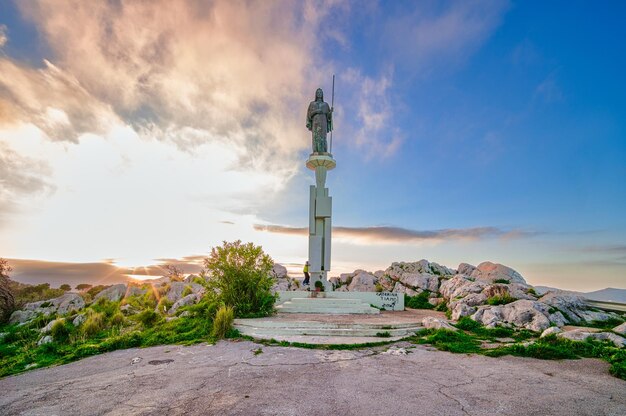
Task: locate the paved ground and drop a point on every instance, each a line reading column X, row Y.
column 229, row 379
column 385, row 317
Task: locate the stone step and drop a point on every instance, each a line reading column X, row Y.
column 354, row 309
column 327, row 332
column 326, row 301
column 272, row 323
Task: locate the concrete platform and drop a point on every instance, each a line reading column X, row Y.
column 335, row 329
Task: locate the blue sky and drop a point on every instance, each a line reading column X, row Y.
column 158, row 131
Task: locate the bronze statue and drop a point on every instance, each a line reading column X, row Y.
column 319, row 120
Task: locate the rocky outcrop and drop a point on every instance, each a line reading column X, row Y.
column 184, row 301
column 582, row 335
column 620, row 329
column 522, row 313
column 551, row 331
column 112, row 293
column 176, row 290
column 363, row 282
column 61, row 305
column 573, row 308
column 490, row 272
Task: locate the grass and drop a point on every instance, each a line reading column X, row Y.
column 548, row 348
column 500, row 300
column 607, row 325
column 273, row 342
column 385, row 334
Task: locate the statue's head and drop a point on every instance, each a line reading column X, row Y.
column 319, row 95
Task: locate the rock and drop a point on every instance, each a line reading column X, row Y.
column 466, row 269
column 582, row 335
column 489, row 272
column 400, row 288
column 420, row 281
column 21, row 317
column 68, row 302
column 459, row 287
column 79, row 319
column 48, row 327
column 620, row 329
column 112, row 293
column 135, row 360
column 431, row 322
column 386, row 282
column 29, row 366
column 185, row 301
column 497, row 289
column 279, row 271
column 573, row 307
column 184, row 313
column 45, row 340
column 435, row 301
column 550, row 331
column 522, row 313
column 557, row 319
column 134, row 290
column 379, row 274
column 399, row 269
column 175, row 292
column 460, row 310
column 363, row 282
column 395, row 351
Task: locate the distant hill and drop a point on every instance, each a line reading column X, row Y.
column 610, row 294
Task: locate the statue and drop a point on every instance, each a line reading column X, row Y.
column 319, row 120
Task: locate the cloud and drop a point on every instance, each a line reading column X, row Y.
column 438, row 35
column 20, row 177
column 192, row 72
column 549, row 90
column 397, row 235
column 96, row 273
column 3, row 35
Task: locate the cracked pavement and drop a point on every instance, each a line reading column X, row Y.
column 229, row 379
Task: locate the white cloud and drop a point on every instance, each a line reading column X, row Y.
column 3, row 35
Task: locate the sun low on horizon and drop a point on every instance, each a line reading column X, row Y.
column 464, row 132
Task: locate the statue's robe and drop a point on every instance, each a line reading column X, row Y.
column 319, row 121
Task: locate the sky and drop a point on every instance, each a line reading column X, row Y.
column 136, row 134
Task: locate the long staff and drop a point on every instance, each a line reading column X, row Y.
column 332, row 106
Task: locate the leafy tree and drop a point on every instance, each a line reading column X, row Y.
column 7, row 298
column 240, row 277
column 174, row 273
column 65, row 287
column 83, row 286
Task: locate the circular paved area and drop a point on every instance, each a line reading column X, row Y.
column 231, row 379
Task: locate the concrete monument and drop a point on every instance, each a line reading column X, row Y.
column 319, row 121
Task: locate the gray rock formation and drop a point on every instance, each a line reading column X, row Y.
column 184, row 301
column 522, row 313
column 489, row 272
column 435, row 323
column 113, row 293
column 363, row 282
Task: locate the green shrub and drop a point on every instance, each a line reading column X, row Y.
column 117, row 319
column 240, row 277
column 442, row 307
column 418, row 302
column 60, row 330
column 187, row 291
column 223, row 322
column 385, row 334
column 93, row 324
column 532, row 291
column 164, row 305
column 453, row 341
column 148, row 318
column 65, row 287
column 505, row 281
column 468, row 324
column 500, row 300
column 379, row 288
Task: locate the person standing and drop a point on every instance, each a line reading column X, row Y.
column 306, row 274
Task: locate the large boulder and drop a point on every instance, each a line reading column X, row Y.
column 176, row 290
column 420, row 281
column 399, row 269
column 460, row 286
column 489, row 272
column 573, row 307
column 400, row 288
column 184, row 301
column 466, row 269
column 522, row 313
column 68, row 302
column 279, row 271
column 112, row 293
column 22, row 316
column 363, row 282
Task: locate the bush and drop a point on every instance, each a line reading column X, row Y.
column 93, row 324
column 7, row 298
column 223, row 322
column 240, row 277
column 164, row 305
column 418, row 302
column 500, row 300
column 505, row 281
column 83, row 286
column 60, row 330
column 117, row 319
column 65, row 287
column 148, row 318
